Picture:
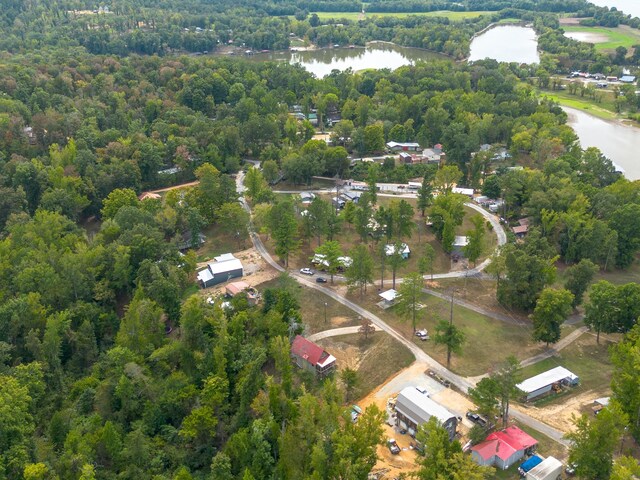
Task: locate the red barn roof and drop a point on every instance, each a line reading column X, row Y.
column 504, row 443
column 308, row 350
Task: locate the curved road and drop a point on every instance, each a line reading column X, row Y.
column 422, row 357
column 336, row 332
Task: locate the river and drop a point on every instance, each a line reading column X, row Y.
column 322, row 62
column 506, row 43
column 617, row 141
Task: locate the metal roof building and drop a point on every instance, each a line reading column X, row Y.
column 540, row 384
column 549, row 469
column 414, row 408
column 223, row 269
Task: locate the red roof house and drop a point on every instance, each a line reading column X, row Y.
column 312, row 357
column 504, row 448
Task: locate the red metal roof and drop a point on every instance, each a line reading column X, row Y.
column 504, row 443
column 307, row 350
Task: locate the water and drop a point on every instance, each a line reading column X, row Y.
column 631, row 7
column 376, row 55
column 618, row 142
column 506, row 43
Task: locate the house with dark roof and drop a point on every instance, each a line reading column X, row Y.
column 504, row 448
column 311, row 357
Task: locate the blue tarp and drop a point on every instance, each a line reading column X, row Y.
column 530, row 463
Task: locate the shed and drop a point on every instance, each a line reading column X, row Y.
column 520, row 230
column 224, row 268
column 540, row 384
column 311, row 357
column 389, row 296
column 627, row 78
column 549, row 469
column 403, row 146
column 414, row 408
column 406, row 158
column 463, row 191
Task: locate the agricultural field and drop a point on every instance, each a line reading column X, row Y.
column 605, row 39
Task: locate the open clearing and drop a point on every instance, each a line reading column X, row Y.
column 375, row 359
column 587, row 360
column 605, row 38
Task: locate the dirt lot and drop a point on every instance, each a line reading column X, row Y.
column 414, row 375
column 256, row 271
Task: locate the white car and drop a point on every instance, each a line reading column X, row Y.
column 306, row 271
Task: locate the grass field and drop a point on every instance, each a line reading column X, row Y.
column 622, row 36
column 313, row 307
column 488, row 341
column 219, row 242
column 375, row 359
column 599, row 110
column 583, row 357
column 354, row 16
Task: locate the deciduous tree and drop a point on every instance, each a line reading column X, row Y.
column 410, row 291
column 552, row 309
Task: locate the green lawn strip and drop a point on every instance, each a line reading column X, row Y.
column 354, row 16
column 380, row 357
column 589, row 361
column 581, row 103
column 312, row 308
column 219, row 241
column 616, row 37
column 488, row 341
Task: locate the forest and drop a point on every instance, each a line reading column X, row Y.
column 112, row 365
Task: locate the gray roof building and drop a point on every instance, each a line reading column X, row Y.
column 414, row 408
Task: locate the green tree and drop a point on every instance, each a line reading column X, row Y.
column 491, row 187
column 284, row 229
column 552, row 309
column 142, row 327
column 395, row 259
column 234, row 219
column 450, row 336
column 427, row 260
column 374, row 138
column 16, row 427
column 402, row 213
column 497, row 390
column 270, row 171
column 443, row 458
column 625, row 468
column 626, row 221
column 425, row 195
column 625, row 380
column 373, row 172
column 475, row 246
column 349, row 378
column 360, row 273
column 446, row 178
column 594, row 441
column 410, row 292
column 579, row 277
column 254, row 182
column 601, row 313
column 332, row 252
column 118, row 198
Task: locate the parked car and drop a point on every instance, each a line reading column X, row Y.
column 306, row 271
column 422, row 334
column 477, row 419
column 393, row 446
column 321, row 280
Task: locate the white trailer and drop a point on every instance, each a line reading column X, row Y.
column 549, row 469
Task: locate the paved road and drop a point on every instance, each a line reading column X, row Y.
column 422, row 357
column 335, row 332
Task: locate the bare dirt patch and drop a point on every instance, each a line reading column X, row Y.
column 570, row 21
column 560, row 416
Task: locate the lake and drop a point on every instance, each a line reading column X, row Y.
column 631, row 7
column 618, row 142
column 321, row 62
column 506, row 43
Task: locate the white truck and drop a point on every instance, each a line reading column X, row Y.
column 549, row 469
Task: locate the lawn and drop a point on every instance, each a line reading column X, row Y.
column 375, row 359
column 312, row 308
column 422, row 235
column 602, row 110
column 583, row 357
column 622, row 36
column 488, row 341
column 218, row 242
column 355, row 16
